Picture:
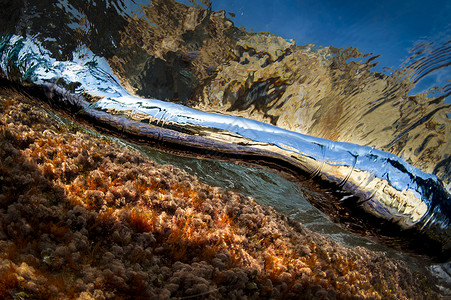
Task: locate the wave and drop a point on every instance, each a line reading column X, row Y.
column 379, row 182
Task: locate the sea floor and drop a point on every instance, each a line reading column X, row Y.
column 83, row 217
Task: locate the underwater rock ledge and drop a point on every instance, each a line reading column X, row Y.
column 82, row 217
column 401, row 197
column 434, row 239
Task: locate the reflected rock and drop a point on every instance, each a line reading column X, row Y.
column 320, row 93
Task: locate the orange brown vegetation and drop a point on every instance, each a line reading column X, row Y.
column 85, row 217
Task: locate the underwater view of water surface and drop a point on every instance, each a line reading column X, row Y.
column 259, row 149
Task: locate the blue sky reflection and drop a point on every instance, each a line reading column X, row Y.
column 388, row 28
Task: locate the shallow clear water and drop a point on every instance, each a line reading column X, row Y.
column 266, row 187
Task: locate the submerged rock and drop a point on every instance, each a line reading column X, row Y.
column 160, row 242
